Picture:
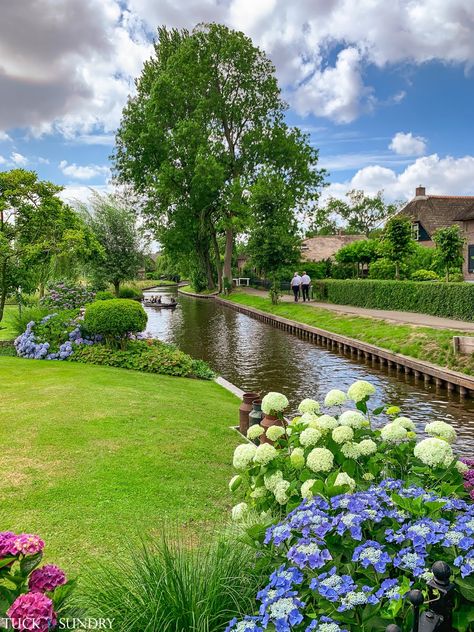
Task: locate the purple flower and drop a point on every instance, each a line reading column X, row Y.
column 248, row 624
column 32, row 611
column 308, row 552
column 46, row 578
column 372, row 553
column 7, row 546
column 465, row 563
column 28, row 544
column 315, row 625
column 410, row 560
column 332, row 586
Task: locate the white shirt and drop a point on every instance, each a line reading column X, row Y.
column 305, row 279
column 296, row 280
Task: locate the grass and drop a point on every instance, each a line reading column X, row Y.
column 423, row 343
column 94, row 458
column 7, row 331
column 189, row 288
column 146, row 284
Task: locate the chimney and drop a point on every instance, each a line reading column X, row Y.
column 420, row 191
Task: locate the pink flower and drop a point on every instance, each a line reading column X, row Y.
column 46, row 578
column 471, row 494
column 32, row 611
column 28, row 544
column 7, row 547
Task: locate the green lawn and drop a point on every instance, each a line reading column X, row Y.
column 424, row 343
column 94, row 457
column 189, row 288
column 6, row 324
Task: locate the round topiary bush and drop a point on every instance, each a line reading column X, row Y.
column 424, row 275
column 115, row 319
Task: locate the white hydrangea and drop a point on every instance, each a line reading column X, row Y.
column 254, row 432
column 239, row 511
column 243, row 456
column 405, row 422
column 297, row 459
column 320, row 460
column 274, row 403
column 335, row 397
column 307, row 418
column 441, row 430
column 368, row 476
column 306, row 488
column 434, row 452
column 310, row 436
column 295, row 420
column 264, row 454
column 280, row 492
column 324, row 423
column 344, row 479
column 394, row 433
column 342, row 434
column 352, row 418
column 258, row 492
column 461, row 467
column 271, row 480
column 309, row 406
column 235, row 482
column 275, row 432
column 367, row 447
column 360, row 390
column 351, row 450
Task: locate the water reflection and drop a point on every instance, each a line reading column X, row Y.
column 256, row 356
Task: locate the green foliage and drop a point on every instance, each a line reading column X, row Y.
column 275, row 292
column 449, row 248
column 128, row 291
column 114, row 319
column 21, row 319
column 150, row 356
column 359, row 253
column 363, row 213
column 397, row 242
column 385, row 269
column 424, row 275
column 449, row 300
column 56, row 329
column 175, row 586
column 103, row 295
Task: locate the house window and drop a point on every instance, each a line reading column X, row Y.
column 416, row 231
column 470, row 258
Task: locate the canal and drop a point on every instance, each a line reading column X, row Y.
column 258, row 357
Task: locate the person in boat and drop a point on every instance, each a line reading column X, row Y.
column 173, row 300
column 158, row 299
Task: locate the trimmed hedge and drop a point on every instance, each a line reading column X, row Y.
column 117, row 317
column 448, row 300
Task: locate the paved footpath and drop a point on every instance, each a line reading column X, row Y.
column 405, row 318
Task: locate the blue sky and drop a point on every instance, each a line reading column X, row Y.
column 385, row 90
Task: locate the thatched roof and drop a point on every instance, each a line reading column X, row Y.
column 325, row 247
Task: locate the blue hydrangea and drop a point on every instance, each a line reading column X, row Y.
column 372, row 553
column 410, row 560
column 332, row 586
column 465, row 563
column 325, row 624
column 309, row 552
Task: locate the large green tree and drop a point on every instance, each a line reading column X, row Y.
column 363, row 213
column 112, row 219
column 449, row 248
column 37, row 230
column 207, row 119
column 397, row 242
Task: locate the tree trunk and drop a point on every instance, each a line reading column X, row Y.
column 41, row 290
column 447, row 275
column 217, row 255
column 117, row 288
column 210, row 277
column 3, row 288
column 229, row 249
column 397, row 270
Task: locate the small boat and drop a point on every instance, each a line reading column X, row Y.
column 160, row 305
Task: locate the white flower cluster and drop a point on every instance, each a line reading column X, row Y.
column 264, row 454
column 243, row 456
column 306, row 488
column 275, row 432
column 342, row 434
column 309, row 406
column 320, row 460
column 351, row 450
column 325, row 423
column 441, row 430
column 274, row 403
column 239, row 511
column 272, row 480
column 353, row 418
column 394, row 433
column 405, row 422
column 280, row 492
column 297, row 459
column 307, row 419
column 309, row 437
column 434, row 452
column 254, row 432
column 360, row 390
column 335, row 397
column 344, row 479
column 367, row 447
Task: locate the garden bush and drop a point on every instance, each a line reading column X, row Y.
column 21, row 319
column 424, row 275
column 115, row 319
column 63, row 296
column 127, row 291
column 30, row 596
column 104, row 295
column 449, row 300
column 150, row 356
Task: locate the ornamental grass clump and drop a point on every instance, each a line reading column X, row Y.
column 346, row 562
column 317, row 452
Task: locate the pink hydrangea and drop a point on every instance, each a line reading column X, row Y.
column 46, row 578
column 28, row 544
column 7, row 546
column 32, row 611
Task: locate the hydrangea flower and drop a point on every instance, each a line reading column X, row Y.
column 405, row 422
column 372, row 553
column 248, row 624
column 390, row 589
column 332, row 586
column 28, row 544
column 310, row 437
column 410, row 560
column 32, row 609
column 309, row 406
column 239, row 511
column 243, row 456
column 335, row 397
column 320, row 460
column 306, row 488
column 394, row 433
column 7, row 544
column 284, row 613
column 434, row 452
column 264, row 454
column 325, row 423
column 359, row 390
column 274, row 403
column 308, row 418
column 297, row 459
column 344, row 479
column 254, row 432
column 280, row 492
column 46, row 578
column 352, row 418
column 357, row 598
column 272, row 480
column 342, row 434
column 441, row 430
column 325, row 624
column 275, row 432
column 367, row 447
column 351, row 450
column 465, row 563
column 309, row 552
column 461, row 467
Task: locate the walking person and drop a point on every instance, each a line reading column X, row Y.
column 305, row 283
column 295, row 285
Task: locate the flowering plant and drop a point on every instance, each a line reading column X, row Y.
column 30, row 596
column 326, row 453
column 62, row 296
column 346, row 562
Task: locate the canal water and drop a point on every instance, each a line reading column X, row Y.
column 258, row 357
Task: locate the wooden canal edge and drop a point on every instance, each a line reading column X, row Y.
column 453, row 381
column 195, row 295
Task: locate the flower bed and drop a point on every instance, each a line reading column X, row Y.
column 63, row 296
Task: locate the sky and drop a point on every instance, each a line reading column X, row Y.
column 385, row 90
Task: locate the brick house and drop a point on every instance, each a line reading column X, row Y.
column 430, row 212
column 325, row 246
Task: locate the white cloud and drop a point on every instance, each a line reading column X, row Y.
column 83, row 172
column 2, row 160
column 18, row 159
column 4, row 136
column 406, row 144
column 80, row 193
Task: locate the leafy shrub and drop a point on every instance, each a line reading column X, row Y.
column 7, row 348
column 130, row 292
column 175, row 586
column 115, row 319
column 104, row 295
column 150, row 356
column 63, row 296
column 28, row 314
column 340, row 451
column 424, row 275
column 346, row 561
column 30, row 596
column 384, row 269
column 450, row 300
